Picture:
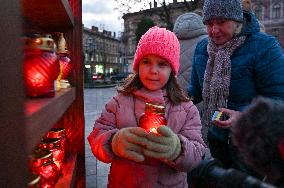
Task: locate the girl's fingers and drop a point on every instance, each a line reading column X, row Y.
column 132, row 155
column 133, row 138
column 138, row 131
column 165, row 131
column 158, row 138
column 153, row 154
column 157, row 147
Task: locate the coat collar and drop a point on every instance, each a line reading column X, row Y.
column 146, row 95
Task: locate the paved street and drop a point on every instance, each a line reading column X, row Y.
column 95, row 100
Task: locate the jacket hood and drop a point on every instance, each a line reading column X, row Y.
column 189, row 25
column 250, row 24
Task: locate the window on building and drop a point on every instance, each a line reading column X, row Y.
column 258, row 12
column 276, row 10
column 100, row 58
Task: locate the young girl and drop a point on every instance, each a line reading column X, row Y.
column 117, row 137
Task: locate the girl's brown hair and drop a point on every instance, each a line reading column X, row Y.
column 175, row 93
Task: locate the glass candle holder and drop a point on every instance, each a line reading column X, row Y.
column 54, row 145
column 59, row 133
column 65, row 63
column 64, row 59
column 41, row 66
column 153, row 117
column 41, row 162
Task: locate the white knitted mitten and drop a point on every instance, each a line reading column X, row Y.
column 164, row 146
column 128, row 143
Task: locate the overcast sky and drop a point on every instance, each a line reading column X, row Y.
column 101, row 13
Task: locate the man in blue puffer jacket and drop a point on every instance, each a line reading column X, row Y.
column 232, row 66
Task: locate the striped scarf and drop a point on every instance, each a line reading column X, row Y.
column 217, row 76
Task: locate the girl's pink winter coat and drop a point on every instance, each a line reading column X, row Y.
column 125, row 111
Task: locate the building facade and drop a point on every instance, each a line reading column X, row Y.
column 101, row 52
column 154, row 13
column 271, row 14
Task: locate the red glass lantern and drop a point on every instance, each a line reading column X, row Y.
column 41, row 66
column 153, row 117
column 59, row 133
column 63, row 56
column 35, row 181
column 66, row 65
column 54, row 145
column 41, row 162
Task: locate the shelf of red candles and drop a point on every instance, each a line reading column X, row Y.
column 43, row 113
column 50, row 161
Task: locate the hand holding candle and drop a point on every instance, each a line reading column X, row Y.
column 164, row 146
column 128, row 143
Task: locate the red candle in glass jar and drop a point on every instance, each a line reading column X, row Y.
column 63, row 56
column 153, row 117
column 66, row 65
column 60, row 134
column 54, row 145
column 41, row 66
column 41, row 162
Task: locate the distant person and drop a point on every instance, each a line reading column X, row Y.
column 258, row 133
column 189, row 29
column 235, row 64
column 117, row 137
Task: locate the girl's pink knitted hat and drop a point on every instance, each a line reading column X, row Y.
column 161, row 42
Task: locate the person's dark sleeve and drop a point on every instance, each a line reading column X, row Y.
column 194, row 89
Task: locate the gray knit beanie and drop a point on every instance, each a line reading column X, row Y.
column 189, row 25
column 226, row 9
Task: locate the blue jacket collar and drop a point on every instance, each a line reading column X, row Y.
column 250, row 24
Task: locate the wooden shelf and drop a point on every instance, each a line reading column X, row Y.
column 42, row 113
column 68, row 173
column 47, row 15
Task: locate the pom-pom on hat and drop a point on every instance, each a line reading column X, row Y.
column 161, row 42
column 226, row 9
